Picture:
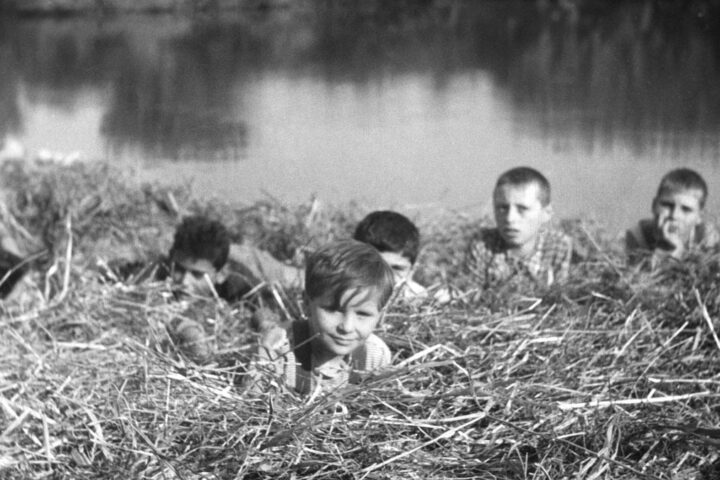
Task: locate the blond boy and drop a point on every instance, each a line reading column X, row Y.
column 677, row 226
column 347, row 285
column 522, row 244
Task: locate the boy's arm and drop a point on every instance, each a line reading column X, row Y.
column 271, row 358
column 259, row 266
column 563, row 268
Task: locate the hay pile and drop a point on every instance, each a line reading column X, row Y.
column 614, row 376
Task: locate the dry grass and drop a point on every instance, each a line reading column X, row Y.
column 614, row 376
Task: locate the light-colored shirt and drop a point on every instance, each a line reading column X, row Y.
column 489, row 259
column 288, row 354
column 259, row 266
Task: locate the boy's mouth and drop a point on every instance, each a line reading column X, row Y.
column 342, row 341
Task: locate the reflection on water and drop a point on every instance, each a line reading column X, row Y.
column 372, row 104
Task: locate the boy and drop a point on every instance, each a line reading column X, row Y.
column 347, row 285
column 522, row 244
column 197, row 267
column 677, row 226
column 198, row 258
column 398, row 241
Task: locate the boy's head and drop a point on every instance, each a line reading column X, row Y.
column 679, row 202
column 347, row 285
column 200, row 249
column 394, row 236
column 521, row 202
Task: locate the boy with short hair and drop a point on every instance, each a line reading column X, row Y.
column 347, row 285
column 398, row 241
column 197, row 266
column 522, row 244
column 677, row 226
column 198, row 258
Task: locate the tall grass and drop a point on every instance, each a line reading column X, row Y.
column 612, row 376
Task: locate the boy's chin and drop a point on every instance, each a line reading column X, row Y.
column 339, row 350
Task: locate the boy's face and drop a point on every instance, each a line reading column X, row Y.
column 341, row 331
column 194, row 275
column 401, row 266
column 519, row 214
column 677, row 213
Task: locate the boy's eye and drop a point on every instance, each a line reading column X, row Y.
column 177, row 268
column 686, row 209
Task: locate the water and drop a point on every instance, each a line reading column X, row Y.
column 391, row 106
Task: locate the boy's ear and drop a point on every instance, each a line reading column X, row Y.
column 654, row 205
column 381, row 319
column 547, row 212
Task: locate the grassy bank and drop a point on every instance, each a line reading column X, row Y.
column 613, row 376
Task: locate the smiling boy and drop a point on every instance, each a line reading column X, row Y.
column 347, row 285
column 522, row 244
column 677, row 226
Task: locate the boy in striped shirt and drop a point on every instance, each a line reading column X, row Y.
column 347, row 285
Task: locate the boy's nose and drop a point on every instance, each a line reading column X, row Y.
column 346, row 323
column 178, row 277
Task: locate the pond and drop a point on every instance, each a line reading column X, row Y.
column 410, row 106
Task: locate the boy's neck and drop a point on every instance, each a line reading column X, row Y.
column 524, row 250
column 324, row 359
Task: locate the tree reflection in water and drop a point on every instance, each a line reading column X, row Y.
column 641, row 73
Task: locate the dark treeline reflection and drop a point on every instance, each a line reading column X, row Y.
column 644, row 73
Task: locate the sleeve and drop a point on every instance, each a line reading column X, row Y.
column 273, row 358
column 563, row 265
column 259, row 266
column 711, row 236
column 477, row 259
column 377, row 354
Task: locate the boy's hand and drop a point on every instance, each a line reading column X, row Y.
column 672, row 238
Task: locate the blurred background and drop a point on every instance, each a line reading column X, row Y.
column 403, row 104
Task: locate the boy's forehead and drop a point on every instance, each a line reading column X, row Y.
column 683, row 195
column 188, row 262
column 526, row 192
column 353, row 296
column 395, row 258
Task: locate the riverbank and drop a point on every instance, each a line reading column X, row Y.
column 612, row 376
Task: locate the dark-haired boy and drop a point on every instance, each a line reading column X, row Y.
column 347, row 285
column 198, row 258
column 398, row 241
column 522, row 244
column 677, row 226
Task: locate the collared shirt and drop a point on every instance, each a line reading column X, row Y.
column 490, row 260
column 289, row 353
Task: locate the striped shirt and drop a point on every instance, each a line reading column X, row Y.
column 491, row 261
column 289, row 355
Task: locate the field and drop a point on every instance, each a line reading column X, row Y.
column 612, row 376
